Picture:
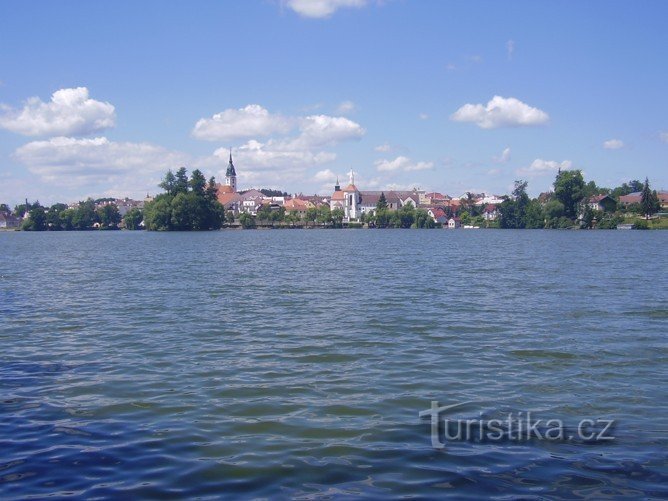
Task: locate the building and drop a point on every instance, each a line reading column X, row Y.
column 438, row 215
column 298, row 206
column 8, row 221
column 635, row 198
column 490, row 213
column 454, row 222
column 227, row 193
column 603, row 203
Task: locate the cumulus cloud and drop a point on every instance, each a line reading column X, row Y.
column 402, row 163
column 275, row 154
column 250, row 121
column 76, row 162
column 321, row 130
column 540, row 167
column 500, row 112
column 321, row 8
column 383, row 148
column 69, row 112
column 504, row 157
column 613, row 144
column 324, row 176
column 346, row 107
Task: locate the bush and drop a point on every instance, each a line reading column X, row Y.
column 640, row 225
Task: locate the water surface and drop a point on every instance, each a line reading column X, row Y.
column 294, row 363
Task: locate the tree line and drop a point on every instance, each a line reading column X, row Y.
column 566, row 206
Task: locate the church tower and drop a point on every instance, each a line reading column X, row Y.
column 231, row 175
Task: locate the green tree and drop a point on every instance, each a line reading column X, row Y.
column 324, row 215
column 66, row 219
column 535, row 217
column 85, row 216
column 382, row 202
column 569, row 190
column 181, row 181
column 337, row 216
column 423, row 219
column 36, row 221
column 169, row 183
column 197, row 182
column 381, row 218
column 247, row 221
column 108, row 216
column 312, row 214
column 158, row 213
column 133, row 219
column 406, row 216
column 649, row 201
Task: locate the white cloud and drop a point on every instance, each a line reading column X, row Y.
column 510, row 48
column 99, row 164
column 250, row 121
column 504, row 157
column 500, row 112
column 402, row 163
column 346, row 107
column 383, row 148
column 451, row 67
column 663, row 136
column 324, row 176
column 275, row 154
column 321, row 130
column 69, row 112
column 613, row 144
column 540, row 167
column 423, row 116
column 321, row 8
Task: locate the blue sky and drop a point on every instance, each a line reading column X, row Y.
column 101, row 98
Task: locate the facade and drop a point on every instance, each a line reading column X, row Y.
column 8, row 221
column 604, row 203
column 454, row 222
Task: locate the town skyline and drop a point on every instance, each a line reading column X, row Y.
column 438, row 96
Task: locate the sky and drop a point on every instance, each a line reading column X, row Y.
column 102, row 98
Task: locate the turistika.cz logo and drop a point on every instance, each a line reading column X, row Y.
column 515, row 427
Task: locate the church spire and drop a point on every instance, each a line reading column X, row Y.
column 337, row 186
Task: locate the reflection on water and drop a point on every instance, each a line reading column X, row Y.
column 294, row 363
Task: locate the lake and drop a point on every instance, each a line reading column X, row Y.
column 294, row 364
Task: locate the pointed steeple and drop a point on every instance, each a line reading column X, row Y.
column 337, row 186
column 230, row 167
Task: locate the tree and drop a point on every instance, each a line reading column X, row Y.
column 382, row 202
column 311, row 214
column 133, row 219
column 535, row 217
column 108, row 215
column 197, row 182
column 85, row 216
column 247, row 221
column 36, row 221
column 181, row 181
column 324, row 215
column 169, row 183
column 649, row 201
column 423, row 219
column 211, row 190
column 569, row 190
column 337, row 216
column 513, row 211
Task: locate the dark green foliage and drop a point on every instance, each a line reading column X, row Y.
column 649, row 201
column 247, row 221
column 382, row 202
column 187, row 205
column 273, row 193
column 108, row 216
column 133, row 219
column 569, row 189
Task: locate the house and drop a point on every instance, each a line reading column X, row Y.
column 298, row 206
column 8, row 221
column 635, row 198
column 490, row 213
column 438, row 215
column 454, row 222
column 603, row 203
